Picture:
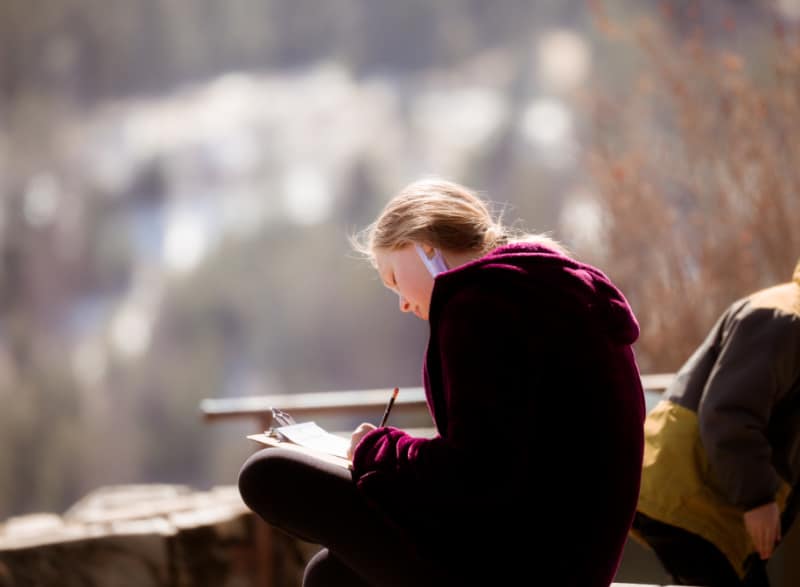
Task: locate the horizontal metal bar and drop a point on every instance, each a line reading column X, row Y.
column 300, row 404
column 352, row 402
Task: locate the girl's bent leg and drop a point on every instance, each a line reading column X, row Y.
column 296, row 493
column 318, row 502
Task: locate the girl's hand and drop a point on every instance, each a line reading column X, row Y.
column 357, row 435
column 764, row 526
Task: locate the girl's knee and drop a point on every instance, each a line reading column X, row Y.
column 259, row 477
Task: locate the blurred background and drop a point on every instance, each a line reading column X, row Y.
column 179, row 178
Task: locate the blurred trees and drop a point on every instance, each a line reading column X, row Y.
column 698, row 170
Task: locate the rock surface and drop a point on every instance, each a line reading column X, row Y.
column 150, row 536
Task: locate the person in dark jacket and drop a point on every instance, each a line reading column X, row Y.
column 722, row 448
column 533, row 474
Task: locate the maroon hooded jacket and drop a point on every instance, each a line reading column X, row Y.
column 533, row 475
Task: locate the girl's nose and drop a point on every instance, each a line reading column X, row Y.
column 404, row 305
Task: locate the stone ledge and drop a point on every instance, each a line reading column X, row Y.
column 150, row 536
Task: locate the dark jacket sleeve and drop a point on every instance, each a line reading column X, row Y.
column 752, row 373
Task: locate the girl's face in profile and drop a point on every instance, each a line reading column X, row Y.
column 403, row 272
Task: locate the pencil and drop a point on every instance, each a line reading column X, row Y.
column 389, row 407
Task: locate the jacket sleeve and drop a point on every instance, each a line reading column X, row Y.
column 474, row 345
column 756, row 366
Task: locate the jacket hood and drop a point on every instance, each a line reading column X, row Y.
column 586, row 286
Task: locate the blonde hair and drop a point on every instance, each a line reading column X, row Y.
column 796, row 276
column 443, row 214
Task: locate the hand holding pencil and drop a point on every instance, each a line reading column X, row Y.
column 365, row 427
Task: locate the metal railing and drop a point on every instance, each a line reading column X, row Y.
column 334, row 408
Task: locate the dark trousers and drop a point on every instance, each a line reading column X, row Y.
column 692, row 560
column 319, row 503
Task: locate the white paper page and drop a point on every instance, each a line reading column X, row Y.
column 310, row 435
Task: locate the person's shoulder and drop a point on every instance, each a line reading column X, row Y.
column 767, row 318
column 783, row 298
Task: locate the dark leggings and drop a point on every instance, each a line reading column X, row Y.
column 319, row 503
column 692, row 560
